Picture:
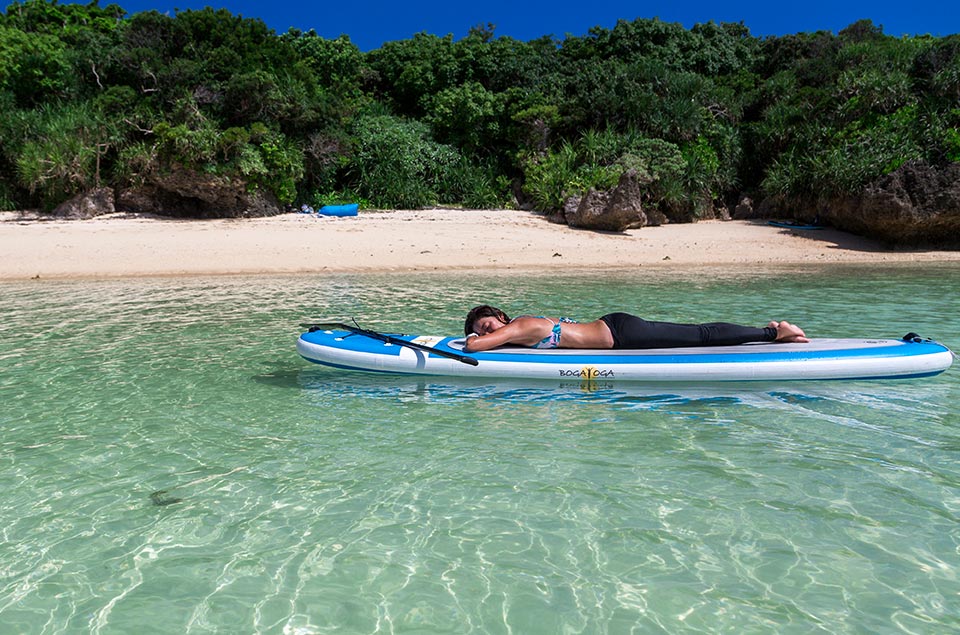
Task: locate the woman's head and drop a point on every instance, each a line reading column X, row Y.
column 479, row 312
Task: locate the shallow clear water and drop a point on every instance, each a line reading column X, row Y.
column 170, row 465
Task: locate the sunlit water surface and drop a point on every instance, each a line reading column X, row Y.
column 170, row 465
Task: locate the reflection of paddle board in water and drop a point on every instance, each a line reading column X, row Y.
column 324, row 385
column 444, row 356
column 793, row 225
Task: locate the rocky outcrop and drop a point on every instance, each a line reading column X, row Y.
column 189, row 194
column 95, row 202
column 629, row 205
column 181, row 194
column 744, row 209
column 916, row 205
column 615, row 210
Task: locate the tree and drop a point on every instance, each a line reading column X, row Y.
column 34, row 68
column 337, row 64
column 469, row 117
column 407, row 71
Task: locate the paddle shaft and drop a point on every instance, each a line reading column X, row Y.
column 389, row 340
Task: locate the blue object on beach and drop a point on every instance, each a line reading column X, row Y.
column 349, row 209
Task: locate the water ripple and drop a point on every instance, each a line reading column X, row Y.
column 168, row 460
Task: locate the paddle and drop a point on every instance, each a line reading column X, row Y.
column 388, row 339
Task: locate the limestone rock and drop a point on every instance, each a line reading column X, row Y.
column 569, row 209
column 88, row 204
column 616, row 210
column 916, row 205
column 189, row 194
column 744, row 209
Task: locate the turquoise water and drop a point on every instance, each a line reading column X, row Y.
column 170, row 465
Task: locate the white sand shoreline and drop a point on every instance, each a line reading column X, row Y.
column 121, row 245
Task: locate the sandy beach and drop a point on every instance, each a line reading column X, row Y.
column 122, row 245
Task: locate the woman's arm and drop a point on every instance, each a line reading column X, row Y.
column 488, row 341
column 521, row 331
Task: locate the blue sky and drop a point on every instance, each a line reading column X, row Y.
column 371, row 23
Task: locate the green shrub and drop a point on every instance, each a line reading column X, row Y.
column 788, row 175
column 135, row 162
column 605, row 147
column 194, row 147
column 548, row 179
column 60, row 158
column 7, row 197
column 396, row 164
column 34, row 67
column 675, row 179
column 283, row 167
column 477, row 186
column 846, row 161
column 662, row 166
column 702, row 165
column 467, row 116
column 952, row 144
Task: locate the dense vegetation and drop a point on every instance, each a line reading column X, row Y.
column 91, row 96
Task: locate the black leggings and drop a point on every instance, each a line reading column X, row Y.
column 629, row 331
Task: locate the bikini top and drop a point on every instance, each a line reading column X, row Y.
column 552, row 340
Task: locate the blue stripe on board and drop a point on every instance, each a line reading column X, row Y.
column 366, row 369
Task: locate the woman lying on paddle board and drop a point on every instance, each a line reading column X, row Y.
column 487, row 327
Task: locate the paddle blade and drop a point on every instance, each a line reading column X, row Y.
column 327, row 326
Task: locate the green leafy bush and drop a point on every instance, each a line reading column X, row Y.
column 61, row 156
column 550, row 178
column 952, row 144
column 33, row 67
column 477, row 186
column 396, row 164
column 282, row 167
column 467, row 116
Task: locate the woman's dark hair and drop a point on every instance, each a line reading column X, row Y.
column 483, row 311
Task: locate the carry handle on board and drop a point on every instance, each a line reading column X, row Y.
column 387, row 339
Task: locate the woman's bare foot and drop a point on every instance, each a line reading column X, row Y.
column 788, row 333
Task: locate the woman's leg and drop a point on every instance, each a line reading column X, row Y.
column 629, row 331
